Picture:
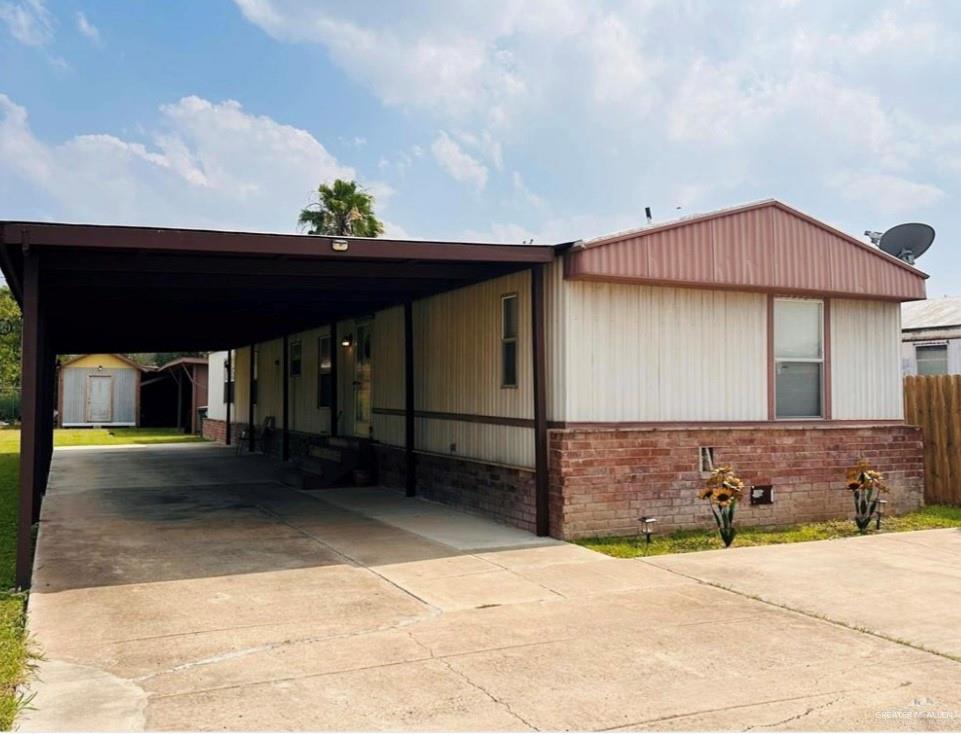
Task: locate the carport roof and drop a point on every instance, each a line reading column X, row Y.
column 128, row 289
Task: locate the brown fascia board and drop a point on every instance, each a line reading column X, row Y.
column 226, row 242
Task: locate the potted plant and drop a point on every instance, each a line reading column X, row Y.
column 723, row 490
column 866, row 484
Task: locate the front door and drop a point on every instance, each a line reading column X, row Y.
column 99, row 399
column 362, row 381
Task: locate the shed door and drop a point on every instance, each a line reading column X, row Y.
column 99, row 399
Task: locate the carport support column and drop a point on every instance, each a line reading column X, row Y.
column 231, row 390
column 541, row 484
column 409, row 456
column 251, row 439
column 31, row 377
column 284, row 433
column 335, row 385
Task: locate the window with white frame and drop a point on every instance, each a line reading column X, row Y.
column 932, row 359
column 798, row 358
column 509, row 341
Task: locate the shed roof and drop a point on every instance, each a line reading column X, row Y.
column 154, row 289
column 932, row 313
column 122, row 358
column 766, row 246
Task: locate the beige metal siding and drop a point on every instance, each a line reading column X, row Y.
column 650, row 353
column 269, row 382
column 457, row 345
column 556, row 315
column 216, row 409
column 510, row 445
column 304, row 414
column 865, row 360
column 457, row 348
column 388, row 375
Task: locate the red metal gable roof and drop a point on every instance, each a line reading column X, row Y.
column 767, row 246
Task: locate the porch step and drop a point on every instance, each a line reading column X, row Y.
column 330, row 462
column 345, row 442
column 331, row 455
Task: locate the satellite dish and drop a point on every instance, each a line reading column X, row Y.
column 908, row 241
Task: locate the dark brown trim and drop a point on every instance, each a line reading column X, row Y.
column 696, row 425
column 743, row 287
column 472, row 418
column 538, row 355
column 334, row 380
column 285, row 397
column 29, row 415
column 251, row 429
column 771, row 365
column 826, row 407
column 231, row 393
column 410, row 461
column 250, row 243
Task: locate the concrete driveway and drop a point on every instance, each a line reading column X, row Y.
column 180, row 588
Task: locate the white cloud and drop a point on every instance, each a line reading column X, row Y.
column 529, row 197
column 205, row 165
column 460, row 165
column 884, row 192
column 28, row 21
column 87, row 28
column 456, row 72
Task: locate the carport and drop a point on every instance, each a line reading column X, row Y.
column 174, row 289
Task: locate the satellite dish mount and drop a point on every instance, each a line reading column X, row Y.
column 907, row 242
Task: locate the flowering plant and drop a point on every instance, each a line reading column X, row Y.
column 867, row 485
column 723, row 490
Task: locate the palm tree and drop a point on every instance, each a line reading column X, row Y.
column 344, row 209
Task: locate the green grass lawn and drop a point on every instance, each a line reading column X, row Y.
column 90, row 437
column 15, row 651
column 932, row 516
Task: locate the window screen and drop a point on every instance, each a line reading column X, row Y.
column 798, row 358
column 509, row 341
column 932, row 359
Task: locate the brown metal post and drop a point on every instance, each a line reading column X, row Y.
column 334, row 386
column 230, row 395
column 541, row 480
column 29, row 383
column 180, row 399
column 285, row 432
column 251, row 439
column 409, row 456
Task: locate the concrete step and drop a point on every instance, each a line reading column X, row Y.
column 326, row 453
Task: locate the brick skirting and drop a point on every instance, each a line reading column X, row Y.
column 214, row 430
column 503, row 493
column 604, row 479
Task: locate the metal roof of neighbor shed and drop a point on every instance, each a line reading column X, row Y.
column 134, row 289
column 932, row 313
column 764, row 246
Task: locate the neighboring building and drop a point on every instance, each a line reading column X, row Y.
column 99, row 390
column 173, row 394
column 931, row 337
column 755, row 336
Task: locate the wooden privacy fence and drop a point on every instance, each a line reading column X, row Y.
column 933, row 402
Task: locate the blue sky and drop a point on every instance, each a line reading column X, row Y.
column 495, row 120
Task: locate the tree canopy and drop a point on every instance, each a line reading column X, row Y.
column 10, row 328
column 343, row 208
